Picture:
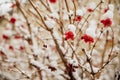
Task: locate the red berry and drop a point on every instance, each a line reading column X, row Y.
column 106, row 9
column 5, row 37
column 90, row 10
column 78, row 18
column 22, row 48
column 106, row 22
column 52, row 1
column 87, row 38
column 12, row 20
column 17, row 37
column 11, row 47
column 69, row 35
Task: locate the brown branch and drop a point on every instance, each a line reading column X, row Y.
column 28, row 24
column 96, row 41
column 56, row 43
column 61, row 22
column 68, row 11
column 105, row 65
column 109, row 56
column 86, row 20
column 89, row 61
column 88, row 17
column 74, row 10
column 38, row 70
column 45, row 5
column 36, row 16
column 36, row 9
column 23, row 73
column 105, row 48
column 112, row 44
column 75, row 54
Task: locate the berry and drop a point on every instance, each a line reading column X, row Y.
column 69, row 35
column 87, row 38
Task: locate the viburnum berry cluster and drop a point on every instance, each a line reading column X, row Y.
column 53, row 1
column 78, row 18
column 87, row 38
column 106, row 22
column 69, row 35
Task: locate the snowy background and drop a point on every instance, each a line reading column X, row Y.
column 59, row 39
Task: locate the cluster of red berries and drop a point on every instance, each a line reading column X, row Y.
column 106, row 22
column 52, row 1
column 87, row 38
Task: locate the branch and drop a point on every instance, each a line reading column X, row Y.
column 45, row 5
column 28, row 24
column 68, row 11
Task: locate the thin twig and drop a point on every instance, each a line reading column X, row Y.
column 96, row 41
column 74, row 10
column 105, row 47
column 88, row 17
column 112, row 44
column 39, row 71
column 68, row 11
column 45, row 5
column 36, row 9
column 89, row 61
column 23, row 73
column 28, row 24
